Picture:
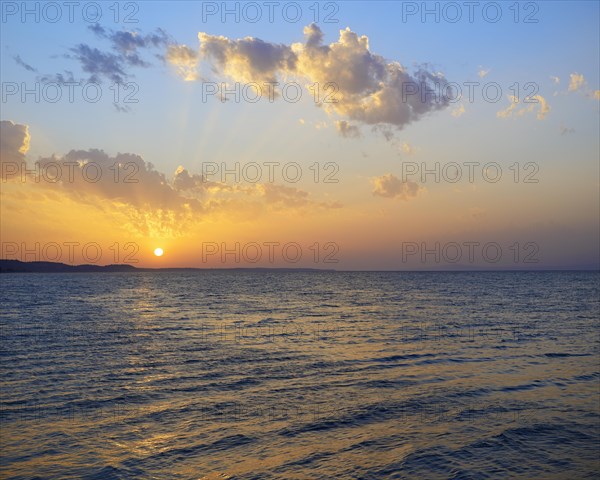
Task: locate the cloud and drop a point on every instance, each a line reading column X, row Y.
column 556, row 80
column 185, row 60
column 576, row 82
column 19, row 61
column 458, row 111
column 152, row 202
column 283, row 195
column 248, row 59
column 511, row 110
column 356, row 84
column 346, row 130
column 14, row 144
column 407, row 149
column 482, row 72
column 125, row 51
column 125, row 178
column 99, row 64
column 389, row 186
column 544, row 107
column 370, row 90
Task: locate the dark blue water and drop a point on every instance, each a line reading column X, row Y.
column 300, row 375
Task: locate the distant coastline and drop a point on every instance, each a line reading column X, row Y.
column 17, row 266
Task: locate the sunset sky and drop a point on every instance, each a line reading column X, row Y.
column 360, row 137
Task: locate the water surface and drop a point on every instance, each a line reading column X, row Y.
column 300, row 375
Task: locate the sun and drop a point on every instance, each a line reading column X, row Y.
column 158, row 252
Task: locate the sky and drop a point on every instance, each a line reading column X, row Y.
column 345, row 135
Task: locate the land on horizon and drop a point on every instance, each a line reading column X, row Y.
column 18, row 266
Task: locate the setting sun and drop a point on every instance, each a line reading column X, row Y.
column 158, row 252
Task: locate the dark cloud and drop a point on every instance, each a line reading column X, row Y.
column 26, row 66
column 125, row 50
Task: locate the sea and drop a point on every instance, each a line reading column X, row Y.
column 300, row 375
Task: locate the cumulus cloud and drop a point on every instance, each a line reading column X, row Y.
column 556, row 80
column 248, row 59
column 536, row 100
column 371, row 90
column 347, row 130
column 14, row 144
column 389, row 186
column 363, row 87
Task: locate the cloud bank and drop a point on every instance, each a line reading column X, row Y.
column 151, row 201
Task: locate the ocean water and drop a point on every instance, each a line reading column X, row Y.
column 300, row 375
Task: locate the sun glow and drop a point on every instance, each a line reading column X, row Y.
column 158, row 252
